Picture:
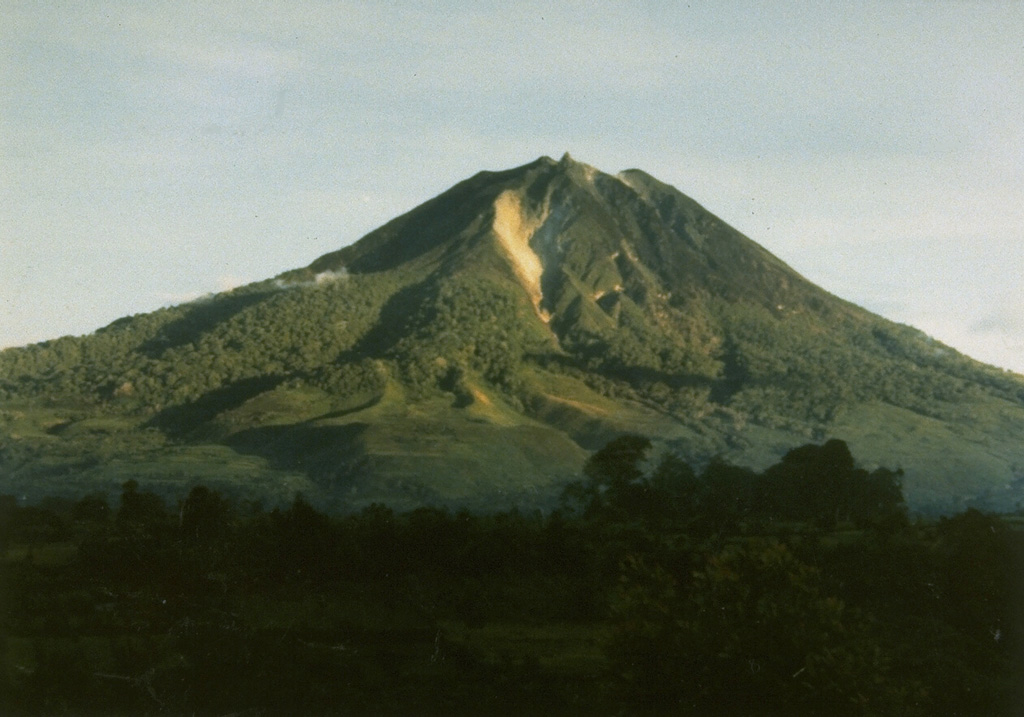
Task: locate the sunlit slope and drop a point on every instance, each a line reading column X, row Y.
column 472, row 351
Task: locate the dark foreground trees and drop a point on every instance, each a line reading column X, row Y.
column 753, row 630
column 667, row 592
column 813, row 484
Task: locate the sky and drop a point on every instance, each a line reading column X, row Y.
column 151, row 153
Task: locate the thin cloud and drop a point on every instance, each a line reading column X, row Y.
column 1007, row 319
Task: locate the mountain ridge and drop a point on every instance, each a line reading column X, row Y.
column 475, row 348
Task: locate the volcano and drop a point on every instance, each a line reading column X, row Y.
column 475, row 350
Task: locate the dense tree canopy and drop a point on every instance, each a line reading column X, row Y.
column 812, row 483
column 670, row 591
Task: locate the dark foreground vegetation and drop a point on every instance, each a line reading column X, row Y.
column 800, row 590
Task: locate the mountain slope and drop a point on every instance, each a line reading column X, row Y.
column 474, row 349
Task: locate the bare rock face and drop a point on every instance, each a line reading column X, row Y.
column 515, row 228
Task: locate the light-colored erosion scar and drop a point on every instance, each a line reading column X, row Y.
column 514, row 229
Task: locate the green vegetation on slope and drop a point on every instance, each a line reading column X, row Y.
column 415, row 366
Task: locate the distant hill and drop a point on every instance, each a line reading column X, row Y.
column 475, row 350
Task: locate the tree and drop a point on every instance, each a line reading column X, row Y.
column 677, row 487
column 615, row 482
column 877, row 500
column 139, row 510
column 204, row 516
column 304, row 534
column 728, row 493
column 823, row 484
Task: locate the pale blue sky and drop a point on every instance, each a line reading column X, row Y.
column 153, row 152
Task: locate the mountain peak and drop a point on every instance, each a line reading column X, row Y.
column 565, row 162
column 479, row 344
